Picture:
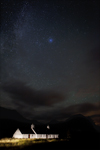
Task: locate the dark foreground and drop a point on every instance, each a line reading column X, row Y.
column 62, row 145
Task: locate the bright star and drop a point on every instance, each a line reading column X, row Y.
column 50, row 40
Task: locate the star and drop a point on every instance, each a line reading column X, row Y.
column 50, row 40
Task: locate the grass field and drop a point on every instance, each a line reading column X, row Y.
column 12, row 142
column 48, row 144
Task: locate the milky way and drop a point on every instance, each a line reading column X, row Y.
column 49, row 50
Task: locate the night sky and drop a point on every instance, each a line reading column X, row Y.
column 50, row 58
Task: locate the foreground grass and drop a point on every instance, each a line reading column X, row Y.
column 12, row 142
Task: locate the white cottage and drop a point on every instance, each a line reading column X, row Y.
column 31, row 133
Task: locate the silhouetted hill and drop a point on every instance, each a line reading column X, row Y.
column 80, row 123
column 80, row 129
column 6, row 113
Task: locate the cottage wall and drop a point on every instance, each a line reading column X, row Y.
column 25, row 136
column 18, row 136
column 32, row 136
column 50, row 136
column 41, row 136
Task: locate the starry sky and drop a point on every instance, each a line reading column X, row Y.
column 50, row 58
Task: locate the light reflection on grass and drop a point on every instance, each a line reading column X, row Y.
column 12, row 142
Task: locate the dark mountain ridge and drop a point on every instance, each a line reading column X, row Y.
column 12, row 114
column 76, row 125
column 80, row 122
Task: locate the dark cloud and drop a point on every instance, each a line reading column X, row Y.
column 95, row 55
column 84, row 90
column 93, row 59
column 20, row 92
column 85, row 109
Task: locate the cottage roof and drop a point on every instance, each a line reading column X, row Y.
column 26, row 130
column 38, row 129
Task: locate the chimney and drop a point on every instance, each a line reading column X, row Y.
column 32, row 126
